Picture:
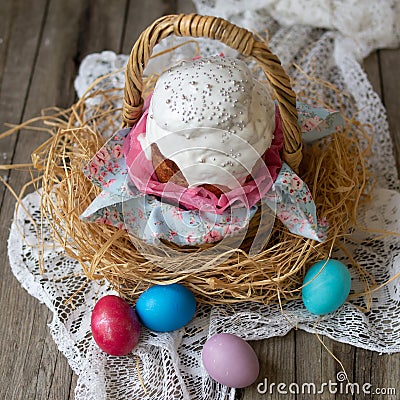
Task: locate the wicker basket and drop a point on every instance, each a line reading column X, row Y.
column 233, row 36
column 273, row 274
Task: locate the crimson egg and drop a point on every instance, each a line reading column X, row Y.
column 115, row 326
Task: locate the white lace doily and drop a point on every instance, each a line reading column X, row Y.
column 169, row 364
column 364, row 25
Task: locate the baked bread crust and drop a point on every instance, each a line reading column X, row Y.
column 167, row 171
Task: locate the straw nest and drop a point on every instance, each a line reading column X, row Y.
column 334, row 169
column 335, row 172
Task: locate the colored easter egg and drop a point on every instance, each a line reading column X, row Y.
column 165, row 308
column 115, row 326
column 326, row 286
column 230, row 360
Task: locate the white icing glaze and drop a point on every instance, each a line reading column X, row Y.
column 212, row 119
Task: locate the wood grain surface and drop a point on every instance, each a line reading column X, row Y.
column 41, row 45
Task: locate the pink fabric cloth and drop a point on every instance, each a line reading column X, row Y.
column 141, row 172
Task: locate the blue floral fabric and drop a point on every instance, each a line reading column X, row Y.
column 149, row 218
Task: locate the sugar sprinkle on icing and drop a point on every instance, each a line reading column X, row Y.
column 212, row 118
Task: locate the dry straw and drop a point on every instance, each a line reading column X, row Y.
column 334, row 168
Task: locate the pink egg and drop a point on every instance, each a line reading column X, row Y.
column 230, row 360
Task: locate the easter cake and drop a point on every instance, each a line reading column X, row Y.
column 209, row 123
column 209, row 138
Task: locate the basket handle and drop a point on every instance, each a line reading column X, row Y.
column 235, row 37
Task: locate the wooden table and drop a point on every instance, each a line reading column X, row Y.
column 42, row 43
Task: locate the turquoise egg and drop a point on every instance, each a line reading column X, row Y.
column 165, row 308
column 326, row 286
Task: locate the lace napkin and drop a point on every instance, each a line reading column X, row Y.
column 169, row 364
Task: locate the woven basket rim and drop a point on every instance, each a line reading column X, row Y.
column 240, row 39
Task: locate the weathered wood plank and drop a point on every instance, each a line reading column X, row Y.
column 315, row 367
column 101, row 27
column 18, row 54
column 277, row 364
column 51, row 81
column 332, row 371
column 140, row 16
column 7, row 16
column 37, row 361
column 38, row 369
column 377, row 372
column 18, row 57
column 372, row 69
column 59, row 388
column 390, row 65
column 308, row 360
column 72, row 387
column 185, row 7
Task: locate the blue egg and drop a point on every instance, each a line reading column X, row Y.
column 327, row 289
column 165, row 308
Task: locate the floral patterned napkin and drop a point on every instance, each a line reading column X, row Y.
column 149, row 218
